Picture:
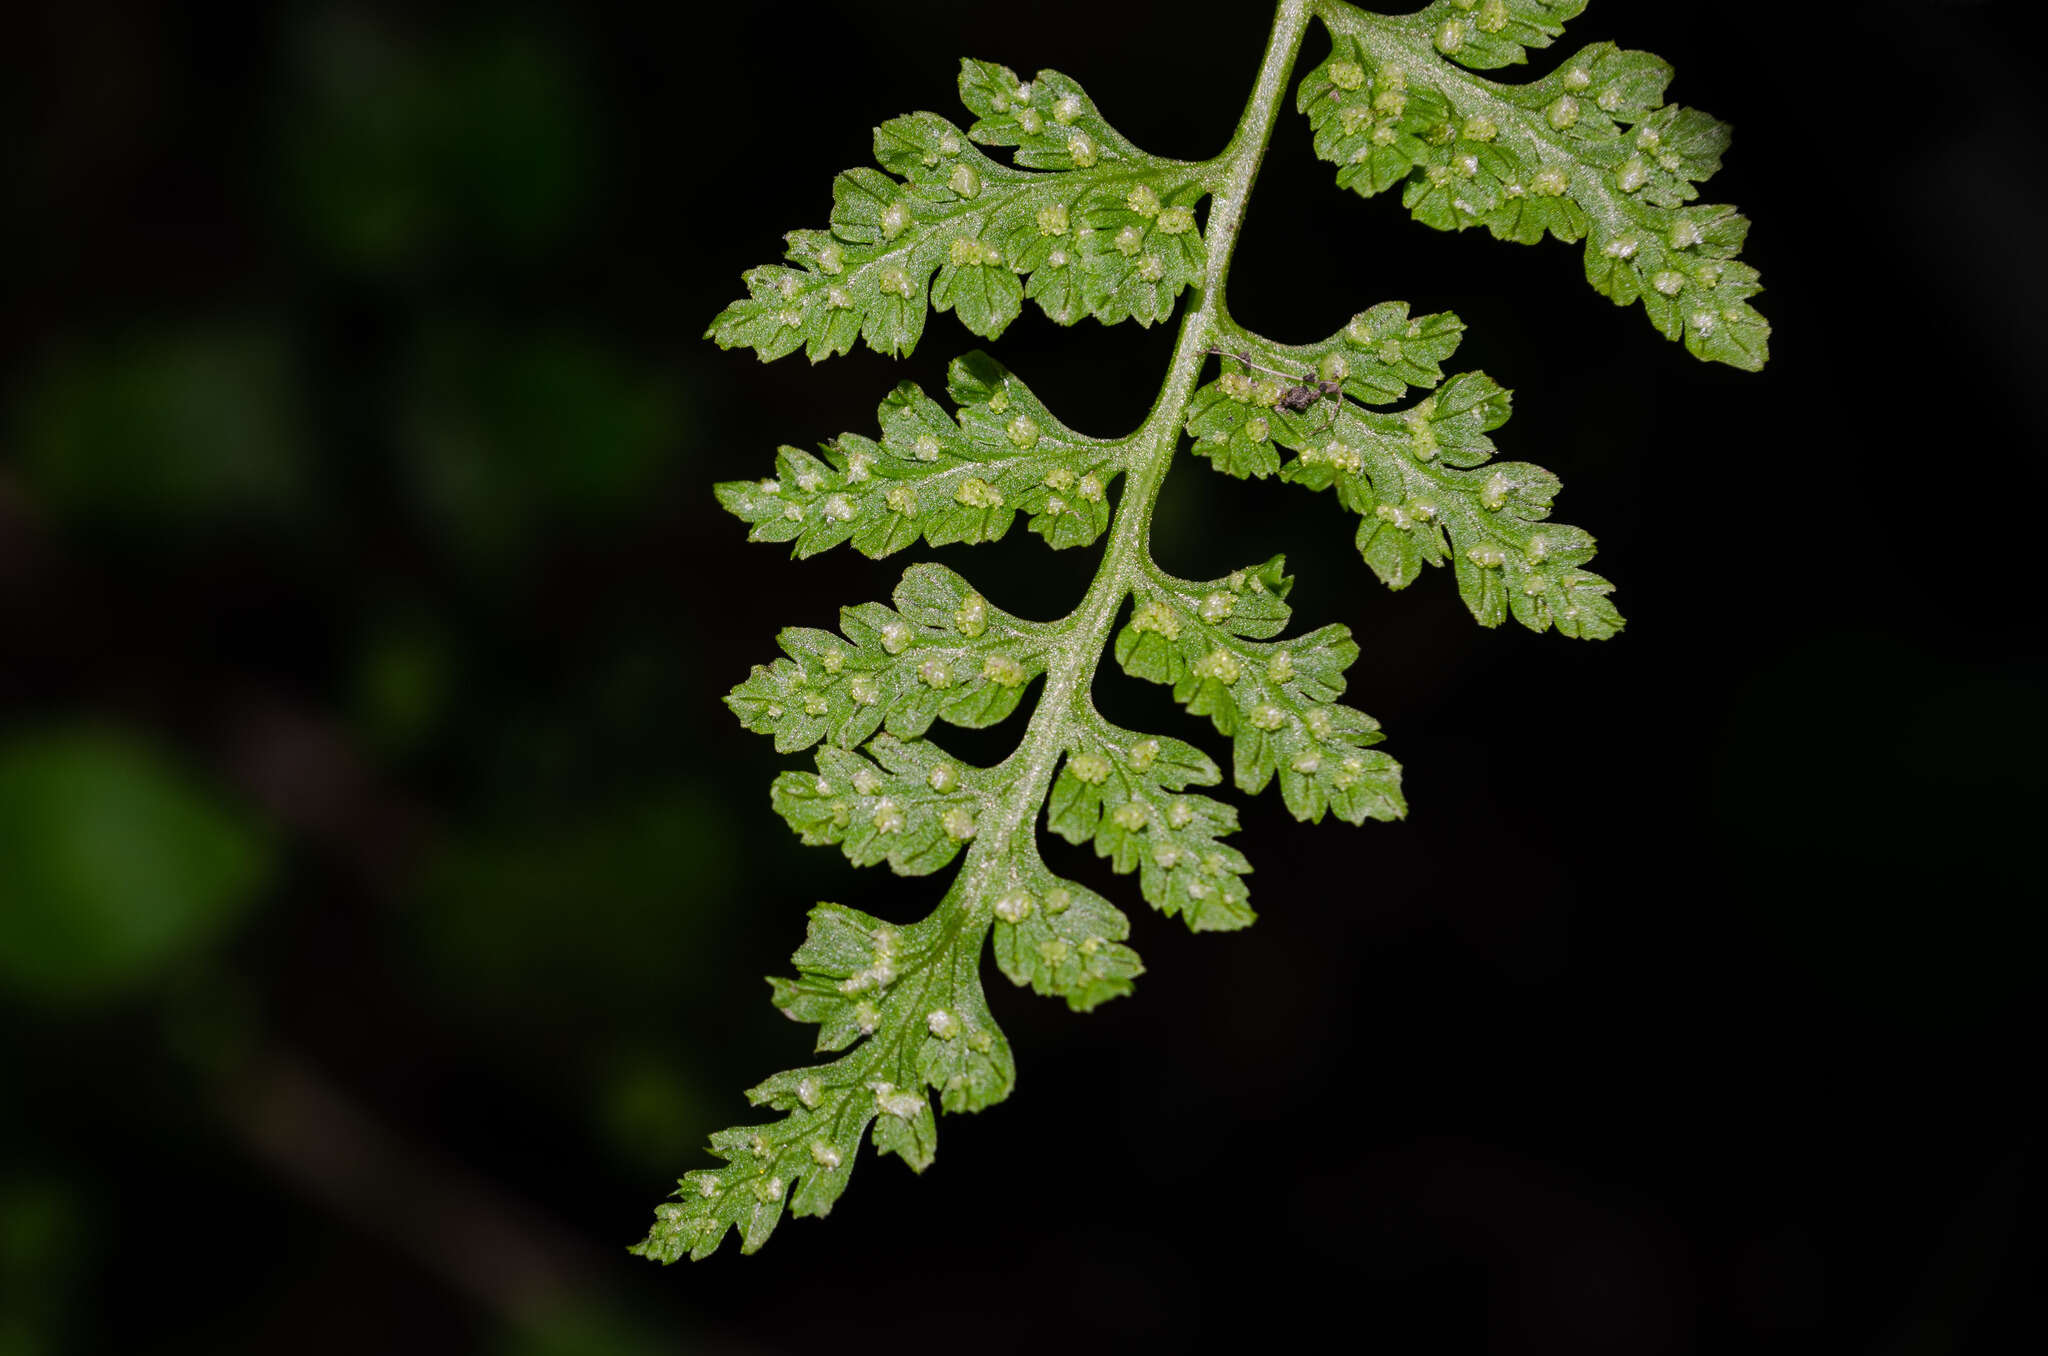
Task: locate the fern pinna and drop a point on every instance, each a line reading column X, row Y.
column 1083, row 223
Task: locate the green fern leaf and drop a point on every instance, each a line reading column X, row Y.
column 1422, row 480
column 944, row 478
column 1589, row 153
column 1088, row 226
column 1276, row 700
column 1084, row 223
column 943, row 653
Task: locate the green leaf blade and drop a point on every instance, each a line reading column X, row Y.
column 960, row 478
column 1084, row 223
column 1423, row 481
column 1275, row 699
column 1590, row 152
column 942, row 653
column 906, row 1005
column 1081, row 223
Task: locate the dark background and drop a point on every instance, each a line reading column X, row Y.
column 384, row 891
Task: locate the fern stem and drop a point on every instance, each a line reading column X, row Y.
column 1067, row 703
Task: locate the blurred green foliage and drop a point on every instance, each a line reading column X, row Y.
column 584, row 909
column 506, row 436
column 587, row 1332
column 114, row 864
column 648, row 1104
column 396, row 147
column 405, row 676
column 43, row 1239
column 171, row 430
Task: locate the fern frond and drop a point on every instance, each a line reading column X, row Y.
column 1422, row 480
column 944, row 478
column 1086, row 224
column 1489, row 34
column 1126, row 793
column 1589, row 153
column 1277, row 700
column 856, row 977
column 943, row 653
